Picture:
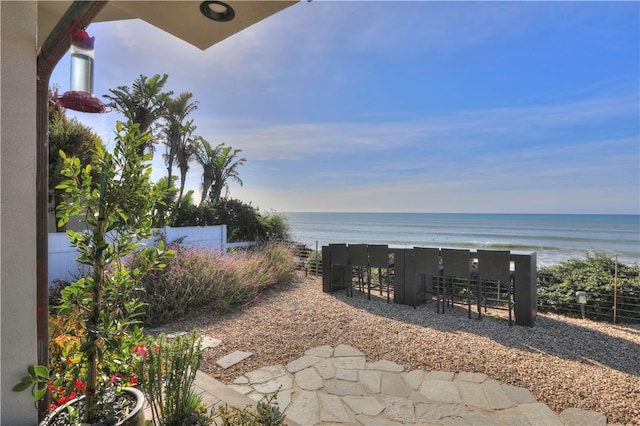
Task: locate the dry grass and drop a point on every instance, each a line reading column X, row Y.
column 564, row 362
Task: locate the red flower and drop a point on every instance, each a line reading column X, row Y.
column 140, row 350
column 60, row 391
column 79, row 385
column 114, row 379
column 133, row 380
column 69, row 361
column 64, row 399
column 52, row 406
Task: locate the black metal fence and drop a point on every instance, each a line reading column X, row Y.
column 610, row 305
column 621, row 306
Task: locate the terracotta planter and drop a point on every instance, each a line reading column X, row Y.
column 135, row 418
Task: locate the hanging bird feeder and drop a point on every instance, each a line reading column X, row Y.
column 81, row 97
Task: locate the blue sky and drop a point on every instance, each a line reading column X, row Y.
column 522, row 107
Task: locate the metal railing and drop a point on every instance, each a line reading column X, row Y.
column 620, row 306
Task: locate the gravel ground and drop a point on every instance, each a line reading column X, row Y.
column 564, row 362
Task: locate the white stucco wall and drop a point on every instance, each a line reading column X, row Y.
column 17, row 207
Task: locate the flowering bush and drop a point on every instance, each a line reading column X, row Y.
column 115, row 370
column 197, row 277
column 99, row 328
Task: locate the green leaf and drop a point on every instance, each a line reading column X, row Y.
column 25, row 383
column 40, row 392
column 41, row 371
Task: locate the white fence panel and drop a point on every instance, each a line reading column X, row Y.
column 62, row 257
column 209, row 237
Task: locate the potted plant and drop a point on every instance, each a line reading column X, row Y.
column 116, row 198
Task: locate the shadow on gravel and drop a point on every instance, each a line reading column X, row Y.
column 552, row 336
column 549, row 335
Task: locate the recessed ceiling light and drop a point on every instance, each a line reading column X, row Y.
column 217, row 11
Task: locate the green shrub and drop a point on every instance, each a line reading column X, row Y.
column 267, row 413
column 244, row 222
column 191, row 215
column 277, row 227
column 167, row 372
column 557, row 286
column 197, row 277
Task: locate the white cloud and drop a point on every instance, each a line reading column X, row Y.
column 561, row 150
column 451, row 134
column 463, row 196
column 305, row 37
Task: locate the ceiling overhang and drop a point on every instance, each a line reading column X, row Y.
column 182, row 19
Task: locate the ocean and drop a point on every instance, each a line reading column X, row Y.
column 554, row 237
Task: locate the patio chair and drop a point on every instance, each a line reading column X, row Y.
column 494, row 280
column 359, row 261
column 339, row 266
column 456, row 282
column 427, row 264
column 379, row 259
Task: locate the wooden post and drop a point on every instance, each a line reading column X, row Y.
column 318, row 258
column 615, row 291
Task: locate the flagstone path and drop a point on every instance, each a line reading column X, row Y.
column 329, row 386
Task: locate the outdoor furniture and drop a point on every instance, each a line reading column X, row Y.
column 379, row 259
column 494, row 280
column 339, row 266
column 427, row 267
column 359, row 261
column 455, row 282
column 402, row 278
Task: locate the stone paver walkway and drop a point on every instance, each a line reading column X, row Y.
column 329, row 386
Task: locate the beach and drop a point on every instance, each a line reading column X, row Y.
column 564, row 362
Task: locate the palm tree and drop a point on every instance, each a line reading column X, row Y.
column 219, row 165
column 227, row 169
column 206, row 156
column 144, row 104
column 176, row 130
column 184, row 154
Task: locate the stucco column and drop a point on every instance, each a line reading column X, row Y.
column 17, row 208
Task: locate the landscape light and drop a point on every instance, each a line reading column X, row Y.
column 582, row 300
column 81, row 97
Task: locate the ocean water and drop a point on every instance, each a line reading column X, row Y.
column 554, row 237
